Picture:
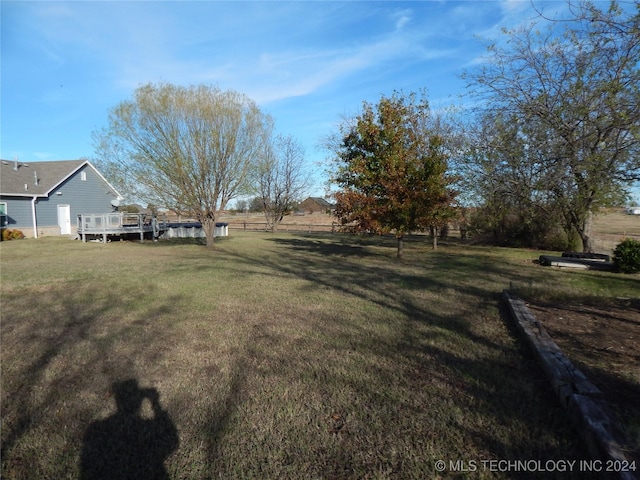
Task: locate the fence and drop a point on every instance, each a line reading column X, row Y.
column 607, row 243
column 286, row 227
column 333, row 227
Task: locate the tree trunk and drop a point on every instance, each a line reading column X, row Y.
column 585, row 233
column 435, row 238
column 400, row 246
column 209, row 226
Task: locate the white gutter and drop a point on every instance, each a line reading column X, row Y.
column 33, row 214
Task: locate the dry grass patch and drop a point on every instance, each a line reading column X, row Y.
column 274, row 356
column 616, row 222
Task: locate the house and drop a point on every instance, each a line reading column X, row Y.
column 45, row 198
column 633, row 210
column 315, row 204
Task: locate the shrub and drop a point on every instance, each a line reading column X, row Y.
column 8, row 234
column 626, row 256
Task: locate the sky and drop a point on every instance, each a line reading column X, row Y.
column 308, row 64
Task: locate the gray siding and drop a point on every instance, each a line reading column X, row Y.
column 90, row 196
column 18, row 212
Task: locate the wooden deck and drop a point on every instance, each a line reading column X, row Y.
column 101, row 226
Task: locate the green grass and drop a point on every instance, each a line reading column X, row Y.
column 279, row 356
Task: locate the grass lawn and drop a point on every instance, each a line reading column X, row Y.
column 275, row 356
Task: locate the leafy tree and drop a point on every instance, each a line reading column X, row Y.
column 507, row 174
column 281, row 179
column 391, row 167
column 255, row 204
column 187, row 149
column 575, row 88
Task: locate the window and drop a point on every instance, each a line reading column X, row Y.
column 83, row 176
column 3, row 214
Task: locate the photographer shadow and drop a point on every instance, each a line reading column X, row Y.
column 128, row 445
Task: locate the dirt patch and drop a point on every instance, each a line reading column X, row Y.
column 603, row 341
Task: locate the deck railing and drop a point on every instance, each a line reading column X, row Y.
column 99, row 222
column 118, row 223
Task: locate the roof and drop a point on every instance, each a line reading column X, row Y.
column 320, row 201
column 14, row 175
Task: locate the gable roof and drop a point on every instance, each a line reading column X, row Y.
column 15, row 175
column 320, row 201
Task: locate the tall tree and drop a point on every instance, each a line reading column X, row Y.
column 508, row 175
column 391, row 168
column 282, row 179
column 576, row 88
column 187, row 149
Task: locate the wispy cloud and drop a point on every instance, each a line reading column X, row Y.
column 137, row 55
column 140, row 44
column 401, row 18
column 305, row 62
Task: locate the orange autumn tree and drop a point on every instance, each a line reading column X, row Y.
column 391, row 168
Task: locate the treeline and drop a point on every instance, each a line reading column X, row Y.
column 550, row 135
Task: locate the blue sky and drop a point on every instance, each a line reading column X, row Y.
column 308, row 64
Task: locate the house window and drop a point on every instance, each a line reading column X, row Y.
column 3, row 214
column 83, row 176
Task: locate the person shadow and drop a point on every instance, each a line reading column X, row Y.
column 127, row 445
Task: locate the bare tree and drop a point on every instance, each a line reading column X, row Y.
column 575, row 89
column 282, row 179
column 187, row 149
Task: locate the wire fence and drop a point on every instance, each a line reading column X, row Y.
column 604, row 242
column 287, row 227
column 333, row 227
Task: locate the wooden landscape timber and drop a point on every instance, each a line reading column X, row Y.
column 584, row 402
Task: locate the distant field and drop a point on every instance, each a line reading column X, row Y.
column 609, row 227
column 613, row 226
column 316, row 222
column 277, row 356
column 617, row 223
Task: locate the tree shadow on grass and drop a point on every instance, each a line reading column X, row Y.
column 127, row 445
column 623, row 396
column 60, row 344
column 324, row 248
column 505, row 393
column 441, row 350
